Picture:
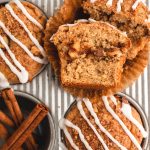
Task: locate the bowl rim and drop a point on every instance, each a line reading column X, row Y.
column 135, row 104
column 52, row 141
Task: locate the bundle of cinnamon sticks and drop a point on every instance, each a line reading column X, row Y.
column 25, row 126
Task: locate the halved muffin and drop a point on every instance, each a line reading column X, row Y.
column 91, row 54
column 130, row 16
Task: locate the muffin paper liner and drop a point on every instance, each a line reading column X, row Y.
column 70, row 11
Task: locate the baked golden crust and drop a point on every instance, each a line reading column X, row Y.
column 17, row 30
column 131, row 21
column 108, row 122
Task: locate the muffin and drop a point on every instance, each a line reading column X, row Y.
column 130, row 16
column 103, row 123
column 68, row 13
column 22, row 55
column 91, row 53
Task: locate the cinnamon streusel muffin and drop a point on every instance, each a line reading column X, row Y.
column 103, row 123
column 21, row 31
column 91, row 54
column 130, row 16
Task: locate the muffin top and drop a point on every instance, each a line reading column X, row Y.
column 103, row 123
column 90, row 36
column 21, row 31
column 130, row 16
column 132, row 9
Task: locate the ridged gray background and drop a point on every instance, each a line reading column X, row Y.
column 45, row 86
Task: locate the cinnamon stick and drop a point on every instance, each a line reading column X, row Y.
column 3, row 132
column 15, row 111
column 26, row 128
column 6, row 120
column 12, row 104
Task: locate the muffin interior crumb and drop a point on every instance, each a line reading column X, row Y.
column 91, row 53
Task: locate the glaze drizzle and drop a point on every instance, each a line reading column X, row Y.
column 110, row 3
column 3, row 81
column 25, row 12
column 92, row 1
column 71, row 125
column 33, row 39
column 37, row 59
column 116, row 117
column 119, row 5
column 137, row 3
column 23, row 75
column 80, row 108
column 97, row 121
column 127, row 111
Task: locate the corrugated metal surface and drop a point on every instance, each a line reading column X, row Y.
column 45, row 86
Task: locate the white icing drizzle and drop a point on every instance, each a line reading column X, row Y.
column 79, row 105
column 13, row 69
column 69, row 25
column 25, row 12
column 115, row 116
column 91, row 20
column 109, row 3
column 37, row 59
column 74, row 24
column 127, row 111
column 134, row 6
column 51, row 38
column 82, row 20
column 33, row 39
column 3, row 81
column 91, row 110
column 119, row 5
column 113, row 99
column 92, row 1
column 67, row 134
column 65, row 122
column 23, row 75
